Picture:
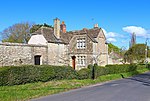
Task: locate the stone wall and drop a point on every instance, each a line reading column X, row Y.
column 101, row 50
column 87, row 51
column 58, row 54
column 21, row 54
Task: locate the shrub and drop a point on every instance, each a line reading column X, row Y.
column 114, row 69
column 84, row 73
column 99, row 71
column 62, row 72
column 148, row 66
column 15, row 75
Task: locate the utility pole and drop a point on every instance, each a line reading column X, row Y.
column 146, row 61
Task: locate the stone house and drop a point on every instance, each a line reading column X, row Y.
column 115, row 58
column 56, row 46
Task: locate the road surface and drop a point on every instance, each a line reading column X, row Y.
column 136, row 88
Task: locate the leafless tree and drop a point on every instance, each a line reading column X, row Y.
column 18, row 33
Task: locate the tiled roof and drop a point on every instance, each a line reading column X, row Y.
column 48, row 33
column 91, row 33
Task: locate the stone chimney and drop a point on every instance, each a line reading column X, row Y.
column 57, row 28
column 96, row 26
column 63, row 27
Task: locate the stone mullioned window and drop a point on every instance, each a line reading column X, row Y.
column 81, row 60
column 81, row 43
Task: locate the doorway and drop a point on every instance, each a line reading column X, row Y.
column 73, row 62
column 37, row 60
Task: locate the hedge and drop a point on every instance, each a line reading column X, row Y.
column 108, row 69
column 84, row 73
column 123, row 68
column 15, row 75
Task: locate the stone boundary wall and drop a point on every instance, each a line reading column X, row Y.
column 21, row 54
column 21, row 44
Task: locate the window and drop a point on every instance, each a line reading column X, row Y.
column 81, row 60
column 81, row 43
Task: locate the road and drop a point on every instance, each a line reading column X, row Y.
column 136, row 88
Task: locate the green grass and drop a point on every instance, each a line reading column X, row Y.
column 34, row 90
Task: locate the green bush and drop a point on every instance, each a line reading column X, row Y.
column 99, row 71
column 64, row 73
column 148, row 66
column 84, row 73
column 15, row 75
column 114, row 69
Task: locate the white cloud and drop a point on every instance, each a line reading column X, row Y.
column 111, row 40
column 111, row 36
column 0, row 40
column 139, row 31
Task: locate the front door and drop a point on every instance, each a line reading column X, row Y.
column 73, row 62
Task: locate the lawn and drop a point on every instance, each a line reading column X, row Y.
column 34, row 90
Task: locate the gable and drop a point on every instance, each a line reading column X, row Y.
column 48, row 34
column 38, row 40
column 91, row 33
column 101, row 35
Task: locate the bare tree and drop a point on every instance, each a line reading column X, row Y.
column 19, row 33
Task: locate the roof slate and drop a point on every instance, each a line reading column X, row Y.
column 48, row 33
column 65, row 38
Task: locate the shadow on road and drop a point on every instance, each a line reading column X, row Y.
column 143, row 78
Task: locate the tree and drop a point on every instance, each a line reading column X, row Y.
column 37, row 26
column 18, row 33
column 136, row 54
column 113, row 48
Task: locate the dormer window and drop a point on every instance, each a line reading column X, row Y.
column 81, row 43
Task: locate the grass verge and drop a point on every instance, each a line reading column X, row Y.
column 34, row 90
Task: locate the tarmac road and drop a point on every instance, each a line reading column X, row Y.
column 136, row 88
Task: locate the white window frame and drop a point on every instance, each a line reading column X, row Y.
column 81, row 43
column 81, row 60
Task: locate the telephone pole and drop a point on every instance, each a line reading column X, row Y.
column 146, row 50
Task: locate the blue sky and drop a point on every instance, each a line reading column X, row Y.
column 118, row 18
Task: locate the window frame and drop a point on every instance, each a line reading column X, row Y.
column 81, row 43
column 81, row 61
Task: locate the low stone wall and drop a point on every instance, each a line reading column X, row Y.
column 21, row 54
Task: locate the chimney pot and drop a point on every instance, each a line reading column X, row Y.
column 63, row 27
column 96, row 26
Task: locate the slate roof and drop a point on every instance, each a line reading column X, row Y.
column 91, row 33
column 48, row 33
column 65, row 38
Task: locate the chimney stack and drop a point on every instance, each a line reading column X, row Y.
column 63, row 27
column 57, row 28
column 96, row 26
